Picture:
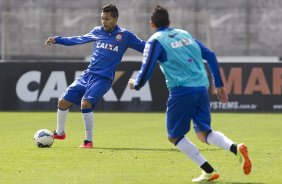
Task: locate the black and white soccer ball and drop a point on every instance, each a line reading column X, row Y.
column 43, row 138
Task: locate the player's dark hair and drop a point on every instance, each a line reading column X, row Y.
column 160, row 17
column 112, row 9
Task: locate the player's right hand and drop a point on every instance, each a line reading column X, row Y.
column 50, row 41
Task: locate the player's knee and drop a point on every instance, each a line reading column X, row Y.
column 202, row 136
column 85, row 104
column 174, row 140
column 63, row 104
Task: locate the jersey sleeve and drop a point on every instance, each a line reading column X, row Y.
column 211, row 59
column 152, row 52
column 135, row 43
column 75, row 40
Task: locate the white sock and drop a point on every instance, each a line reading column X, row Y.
column 61, row 120
column 191, row 151
column 88, row 119
column 220, row 140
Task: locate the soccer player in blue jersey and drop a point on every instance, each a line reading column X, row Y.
column 110, row 43
column 180, row 57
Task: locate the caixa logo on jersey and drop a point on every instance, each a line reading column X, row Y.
column 31, row 87
column 107, row 46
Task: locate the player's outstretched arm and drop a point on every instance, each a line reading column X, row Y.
column 50, row 41
column 221, row 95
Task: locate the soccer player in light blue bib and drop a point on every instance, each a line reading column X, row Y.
column 180, row 57
column 110, row 43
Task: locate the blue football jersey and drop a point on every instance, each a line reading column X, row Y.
column 181, row 60
column 108, row 49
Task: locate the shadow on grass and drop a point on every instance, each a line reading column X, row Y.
column 150, row 149
column 236, row 182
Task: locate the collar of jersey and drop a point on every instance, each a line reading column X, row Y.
column 115, row 29
column 162, row 28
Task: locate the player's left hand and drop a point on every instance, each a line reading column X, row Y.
column 221, row 95
column 131, row 83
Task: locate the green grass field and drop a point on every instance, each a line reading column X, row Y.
column 132, row 148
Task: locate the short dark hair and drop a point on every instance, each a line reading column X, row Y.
column 111, row 8
column 160, row 17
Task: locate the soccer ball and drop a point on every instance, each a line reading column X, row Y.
column 43, row 138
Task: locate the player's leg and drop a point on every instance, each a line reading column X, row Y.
column 192, row 152
column 97, row 88
column 219, row 139
column 180, row 111
column 202, row 126
column 62, row 111
column 88, row 120
column 206, row 135
column 72, row 95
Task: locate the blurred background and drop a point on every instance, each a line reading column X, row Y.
column 246, row 35
column 229, row 27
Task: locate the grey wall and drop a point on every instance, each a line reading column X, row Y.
column 229, row 27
